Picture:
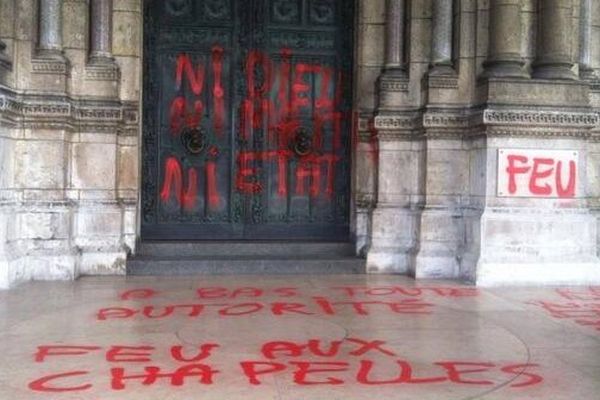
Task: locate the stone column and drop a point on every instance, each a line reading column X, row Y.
column 394, row 42
column 101, row 31
column 504, row 52
column 554, row 59
column 585, row 42
column 102, row 68
column 50, row 29
column 441, row 49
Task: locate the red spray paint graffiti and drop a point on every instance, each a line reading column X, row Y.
column 277, row 104
column 313, row 362
column 579, row 305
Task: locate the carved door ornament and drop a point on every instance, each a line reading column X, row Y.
column 193, row 139
column 302, row 143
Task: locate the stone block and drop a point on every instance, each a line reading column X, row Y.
column 447, row 172
column 102, row 263
column 75, row 24
column 7, row 19
column 396, row 188
column 371, row 44
column 367, row 86
column 420, row 47
column 40, row 164
column 532, row 246
column 24, row 21
column 372, row 11
column 595, row 47
column 592, row 184
column 6, row 162
column 42, row 226
column 127, row 5
column 97, row 222
column 130, row 221
column 94, row 166
column 466, row 31
column 538, row 92
column 127, row 33
column 392, row 249
column 128, row 168
column 42, row 267
column 76, row 83
column 130, row 68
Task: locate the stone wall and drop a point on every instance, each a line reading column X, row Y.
column 69, row 140
column 441, row 86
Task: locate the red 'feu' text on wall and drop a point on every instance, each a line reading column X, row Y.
column 537, row 173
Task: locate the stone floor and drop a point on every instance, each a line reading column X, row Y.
column 297, row 338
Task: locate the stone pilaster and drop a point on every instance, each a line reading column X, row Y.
column 49, row 65
column 504, row 52
column 395, row 219
column 554, row 59
column 102, row 68
column 585, row 42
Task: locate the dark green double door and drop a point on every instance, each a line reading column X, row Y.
column 247, row 119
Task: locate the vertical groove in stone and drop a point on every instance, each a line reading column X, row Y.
column 554, row 44
column 50, row 27
column 394, row 41
column 101, row 30
column 585, row 41
column 504, row 53
column 4, row 60
column 441, row 48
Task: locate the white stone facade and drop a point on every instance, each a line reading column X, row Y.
column 425, row 164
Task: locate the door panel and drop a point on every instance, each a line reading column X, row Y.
column 247, row 119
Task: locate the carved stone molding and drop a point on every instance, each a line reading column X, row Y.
column 442, row 81
column 541, row 118
column 49, row 66
column 390, row 83
column 99, row 114
column 64, row 113
column 46, row 110
column 444, row 120
column 532, row 132
column 395, row 122
column 102, row 72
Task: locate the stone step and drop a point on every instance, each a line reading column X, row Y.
column 244, row 265
column 208, row 249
